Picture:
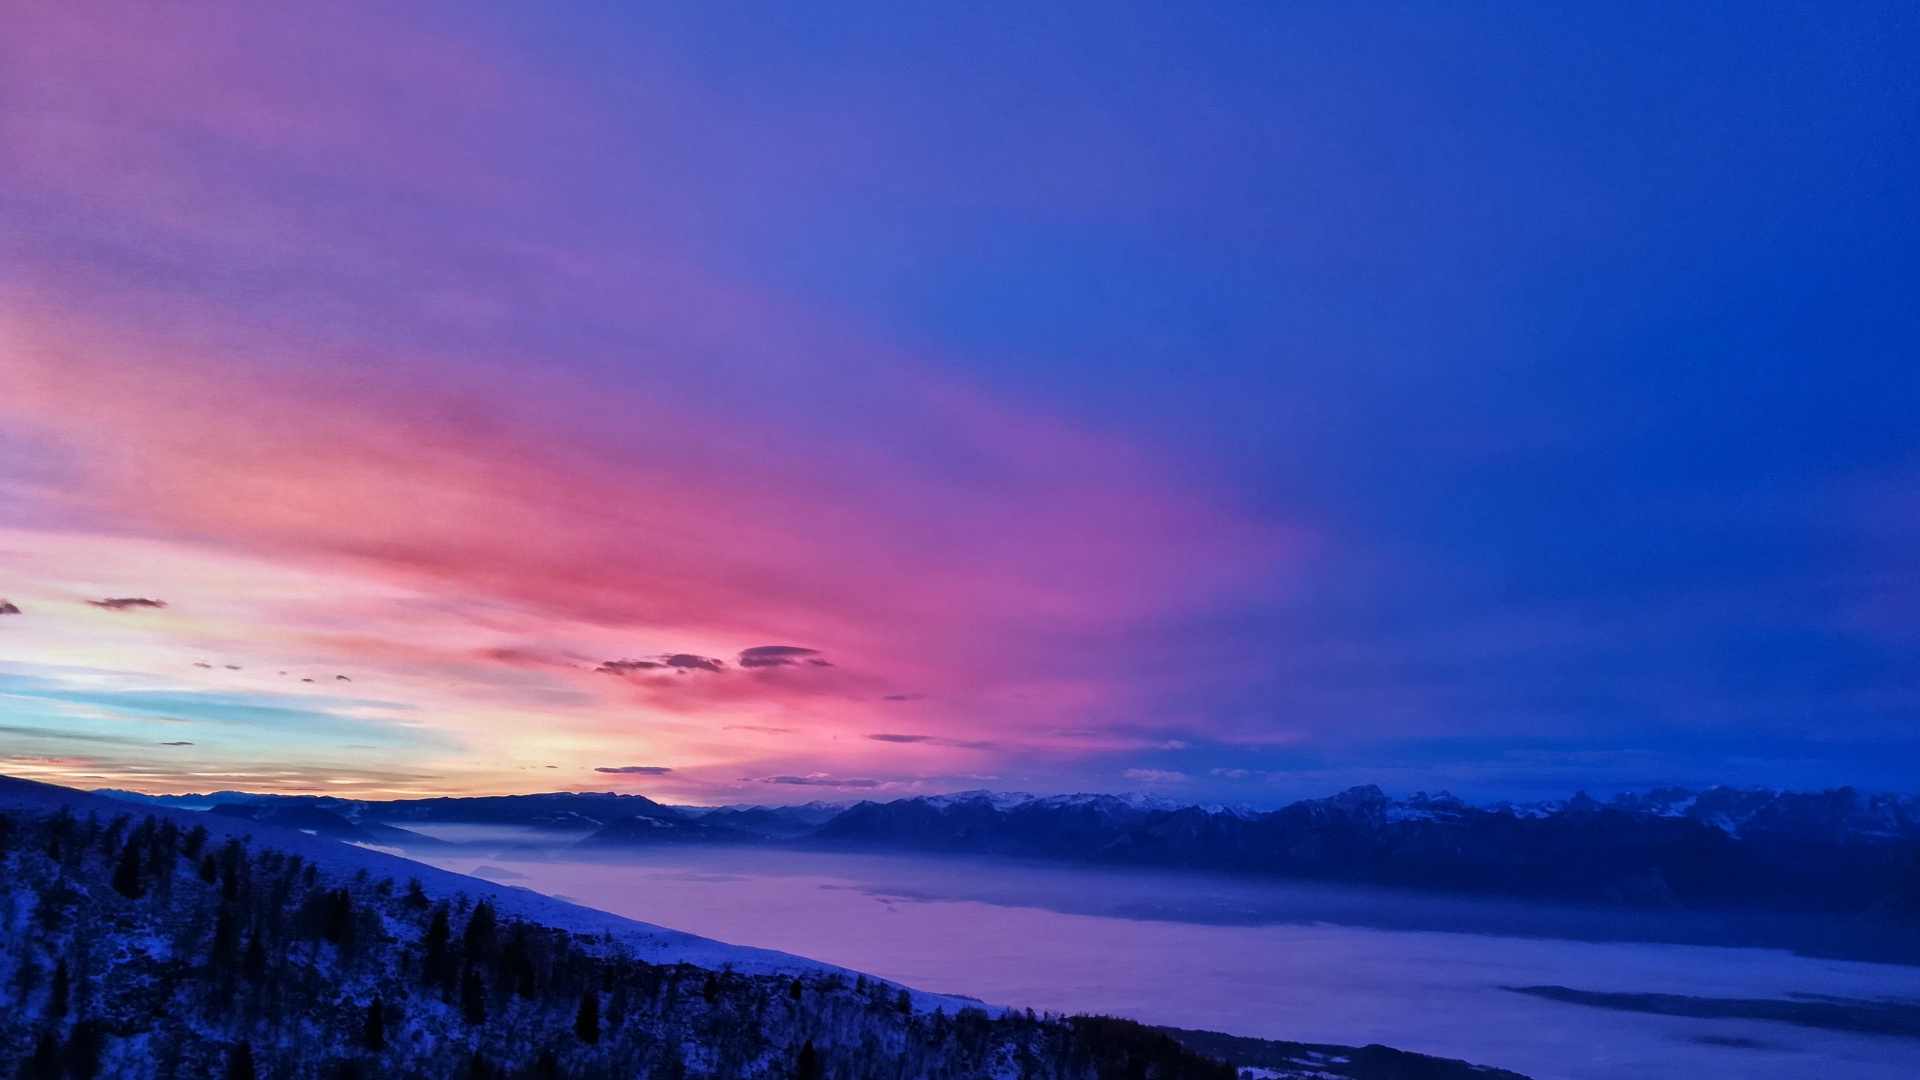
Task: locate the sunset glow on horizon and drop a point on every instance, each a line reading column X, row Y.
column 495, row 400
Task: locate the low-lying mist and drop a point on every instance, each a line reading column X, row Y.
column 1271, row 959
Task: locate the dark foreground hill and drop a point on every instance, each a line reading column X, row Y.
column 164, row 943
column 134, row 947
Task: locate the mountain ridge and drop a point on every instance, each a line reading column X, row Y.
column 1839, row 850
column 1836, row 851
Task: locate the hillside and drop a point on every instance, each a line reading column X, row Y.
column 145, row 946
column 149, row 941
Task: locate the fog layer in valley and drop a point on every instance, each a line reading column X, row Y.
column 1274, row 960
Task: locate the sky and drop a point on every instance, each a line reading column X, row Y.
column 762, row 403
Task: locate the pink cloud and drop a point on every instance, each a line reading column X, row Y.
column 1031, row 573
column 366, row 339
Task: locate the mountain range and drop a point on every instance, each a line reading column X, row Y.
column 1836, row 851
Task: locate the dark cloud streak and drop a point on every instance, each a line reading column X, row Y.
column 819, row 781
column 767, row 656
column 935, row 740
column 622, row 667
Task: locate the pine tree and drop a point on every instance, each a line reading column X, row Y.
column 255, row 964
column 60, row 991
column 473, row 998
column 336, row 923
column 524, row 980
column 416, row 896
column 373, row 1033
column 795, row 990
column 808, row 1067
column 905, row 1004
column 240, row 1062
column 126, row 876
column 84, row 1044
column 478, row 938
column 433, row 966
column 110, row 839
column 516, row 963
column 615, row 1013
column 586, row 1023
column 226, row 940
column 209, row 870
column 45, row 1063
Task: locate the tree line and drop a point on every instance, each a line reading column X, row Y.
column 141, row 948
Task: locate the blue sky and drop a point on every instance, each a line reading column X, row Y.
column 1502, row 397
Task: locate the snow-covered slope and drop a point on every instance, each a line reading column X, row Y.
column 653, row 944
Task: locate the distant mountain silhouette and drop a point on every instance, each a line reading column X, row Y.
column 1834, row 851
